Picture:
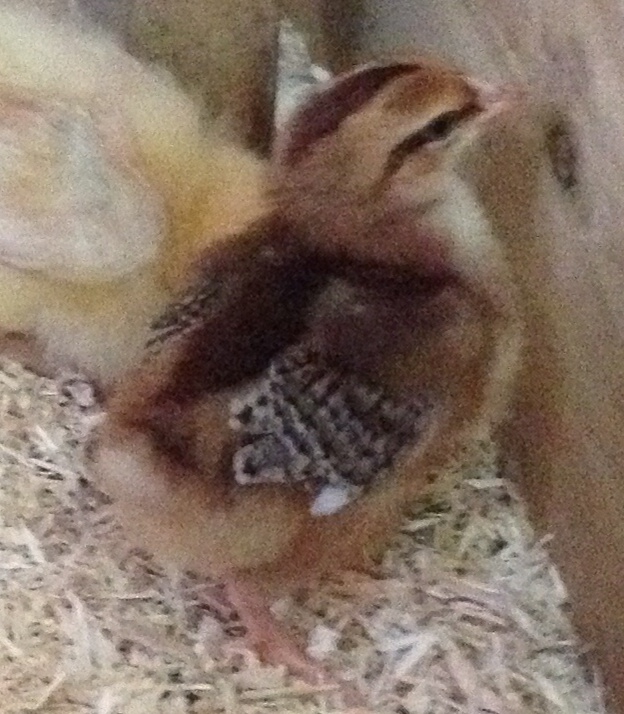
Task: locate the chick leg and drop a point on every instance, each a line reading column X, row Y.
column 268, row 639
column 276, row 646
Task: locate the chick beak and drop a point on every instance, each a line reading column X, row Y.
column 498, row 99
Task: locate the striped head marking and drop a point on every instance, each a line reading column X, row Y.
column 392, row 113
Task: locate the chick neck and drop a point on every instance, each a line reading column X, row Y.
column 457, row 215
column 378, row 303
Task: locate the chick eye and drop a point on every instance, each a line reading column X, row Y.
column 440, row 128
column 437, row 129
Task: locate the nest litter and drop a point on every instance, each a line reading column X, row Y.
column 467, row 615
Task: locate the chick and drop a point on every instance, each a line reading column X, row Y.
column 108, row 188
column 296, row 398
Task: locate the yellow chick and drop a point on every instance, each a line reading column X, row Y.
column 329, row 357
column 108, row 188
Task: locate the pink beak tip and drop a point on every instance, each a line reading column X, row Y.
column 503, row 97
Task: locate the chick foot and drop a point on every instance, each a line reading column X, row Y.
column 267, row 638
column 276, row 646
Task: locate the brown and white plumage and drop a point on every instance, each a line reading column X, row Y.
column 109, row 187
column 376, row 265
column 326, row 430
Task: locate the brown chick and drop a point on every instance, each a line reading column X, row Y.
column 327, row 360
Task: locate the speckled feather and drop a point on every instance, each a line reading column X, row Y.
column 184, row 314
column 301, row 423
column 329, row 432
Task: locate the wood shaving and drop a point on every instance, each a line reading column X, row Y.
column 468, row 613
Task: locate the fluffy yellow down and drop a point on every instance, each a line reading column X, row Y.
column 93, row 313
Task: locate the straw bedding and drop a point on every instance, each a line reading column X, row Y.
column 468, row 613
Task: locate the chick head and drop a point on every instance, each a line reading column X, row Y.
column 376, row 149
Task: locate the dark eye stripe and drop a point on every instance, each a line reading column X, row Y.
column 437, row 129
column 325, row 112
